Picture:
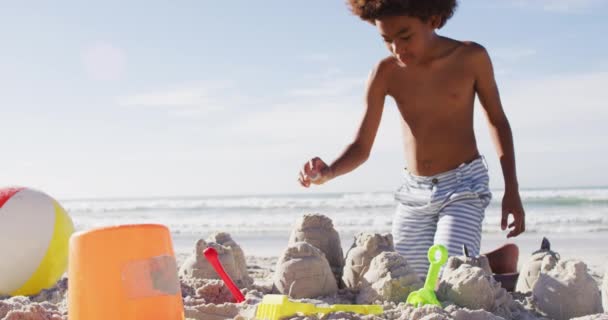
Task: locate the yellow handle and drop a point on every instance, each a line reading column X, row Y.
column 360, row 309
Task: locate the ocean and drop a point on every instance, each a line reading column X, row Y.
column 263, row 222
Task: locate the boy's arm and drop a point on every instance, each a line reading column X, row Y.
column 487, row 91
column 358, row 151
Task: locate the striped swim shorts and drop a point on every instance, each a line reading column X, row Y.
column 447, row 208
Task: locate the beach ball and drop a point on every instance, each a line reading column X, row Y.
column 34, row 236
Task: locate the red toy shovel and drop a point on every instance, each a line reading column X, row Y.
column 211, row 255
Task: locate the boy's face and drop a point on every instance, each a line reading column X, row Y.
column 407, row 38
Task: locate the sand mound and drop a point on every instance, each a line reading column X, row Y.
column 224, row 239
column 480, row 261
column 389, row 278
column 465, row 314
column 304, row 272
column 474, row 288
column 319, row 231
column 21, row 308
column 366, row 246
column 567, row 291
column 230, row 255
column 467, row 286
column 541, row 260
column 605, row 291
column 406, row 312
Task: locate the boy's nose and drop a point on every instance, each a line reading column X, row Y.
column 398, row 49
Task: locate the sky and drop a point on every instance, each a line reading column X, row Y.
column 184, row 98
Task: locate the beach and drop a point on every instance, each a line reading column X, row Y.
column 574, row 221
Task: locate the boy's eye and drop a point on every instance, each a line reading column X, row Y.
column 387, row 40
column 406, row 38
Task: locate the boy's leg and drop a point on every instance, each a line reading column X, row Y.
column 503, row 259
column 460, row 223
column 413, row 234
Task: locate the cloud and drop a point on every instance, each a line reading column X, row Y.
column 513, row 54
column 330, row 87
column 191, row 100
column 576, row 6
column 315, row 57
column 104, row 61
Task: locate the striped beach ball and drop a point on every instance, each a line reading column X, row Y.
column 34, row 236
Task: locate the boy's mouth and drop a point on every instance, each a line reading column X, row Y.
column 404, row 59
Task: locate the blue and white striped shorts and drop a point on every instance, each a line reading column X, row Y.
column 447, row 208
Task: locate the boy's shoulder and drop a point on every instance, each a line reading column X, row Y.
column 464, row 49
column 476, row 55
column 473, row 49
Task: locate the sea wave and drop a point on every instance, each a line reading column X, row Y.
column 379, row 200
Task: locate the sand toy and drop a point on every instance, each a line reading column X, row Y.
column 276, row 306
column 211, row 255
column 124, row 272
column 426, row 295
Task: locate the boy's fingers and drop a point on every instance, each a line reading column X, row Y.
column 519, row 227
column 303, row 181
column 503, row 221
column 306, row 168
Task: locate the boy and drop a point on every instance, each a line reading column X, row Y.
column 433, row 80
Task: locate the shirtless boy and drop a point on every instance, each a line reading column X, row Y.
column 433, row 80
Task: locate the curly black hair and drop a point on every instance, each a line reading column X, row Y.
column 370, row 10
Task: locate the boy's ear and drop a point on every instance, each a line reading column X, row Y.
column 435, row 21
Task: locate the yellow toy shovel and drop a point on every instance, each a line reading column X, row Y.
column 277, row 306
column 426, row 295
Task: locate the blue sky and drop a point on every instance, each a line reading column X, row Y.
column 145, row 98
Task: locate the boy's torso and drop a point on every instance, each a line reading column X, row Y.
column 436, row 105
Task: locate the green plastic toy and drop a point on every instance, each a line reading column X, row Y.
column 426, row 295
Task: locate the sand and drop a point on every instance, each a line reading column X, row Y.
column 389, row 278
column 304, row 272
column 375, row 274
column 231, row 257
column 605, row 291
column 365, row 247
column 318, row 230
column 567, row 291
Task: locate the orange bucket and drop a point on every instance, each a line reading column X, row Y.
column 123, row 272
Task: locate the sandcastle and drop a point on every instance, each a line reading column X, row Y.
column 605, row 290
column 304, row 272
column 468, row 282
column 318, row 230
column 479, row 261
column 567, row 291
column 389, row 278
column 543, row 259
column 470, row 286
column 366, row 247
column 231, row 257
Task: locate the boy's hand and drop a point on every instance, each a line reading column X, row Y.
column 511, row 205
column 314, row 171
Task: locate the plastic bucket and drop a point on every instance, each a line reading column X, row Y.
column 123, row 272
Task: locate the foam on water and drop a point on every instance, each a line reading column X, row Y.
column 561, row 211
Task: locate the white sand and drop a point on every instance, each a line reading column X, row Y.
column 303, row 272
column 466, row 290
column 319, row 231
column 389, row 278
column 366, row 247
column 605, row 291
